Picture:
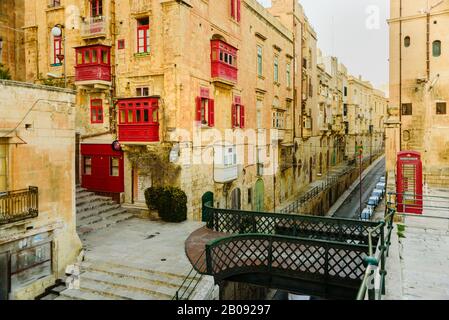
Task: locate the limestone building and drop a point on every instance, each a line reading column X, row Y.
column 219, row 99
column 419, row 76
column 12, row 54
column 38, row 238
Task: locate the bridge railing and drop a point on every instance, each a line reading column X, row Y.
column 304, row 226
column 298, row 258
column 374, row 279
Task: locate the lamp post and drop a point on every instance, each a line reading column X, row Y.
column 56, row 31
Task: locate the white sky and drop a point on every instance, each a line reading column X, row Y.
column 355, row 31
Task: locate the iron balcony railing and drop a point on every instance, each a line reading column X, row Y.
column 19, row 205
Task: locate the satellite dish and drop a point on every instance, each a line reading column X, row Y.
column 56, row 31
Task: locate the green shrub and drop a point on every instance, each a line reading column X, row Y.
column 170, row 202
column 4, row 73
column 152, row 197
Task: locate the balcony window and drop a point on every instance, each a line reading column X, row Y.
column 96, row 8
column 93, row 63
column 96, row 111
column 139, row 120
column 278, row 119
column 143, row 35
column 223, row 60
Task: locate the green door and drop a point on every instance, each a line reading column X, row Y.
column 208, row 198
column 259, row 196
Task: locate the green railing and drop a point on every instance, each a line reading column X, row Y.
column 376, row 261
column 304, row 226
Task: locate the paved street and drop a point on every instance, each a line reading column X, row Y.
column 350, row 207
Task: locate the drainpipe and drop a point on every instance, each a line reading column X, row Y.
column 400, row 75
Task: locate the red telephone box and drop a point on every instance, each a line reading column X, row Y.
column 409, row 185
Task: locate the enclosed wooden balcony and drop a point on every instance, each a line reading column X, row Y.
column 19, row 205
column 138, row 120
column 223, row 62
column 93, row 66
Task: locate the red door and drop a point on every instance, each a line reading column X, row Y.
column 409, row 186
column 102, row 168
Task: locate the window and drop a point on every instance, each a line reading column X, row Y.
column 96, row 7
column 407, row 42
column 236, row 9
column 259, row 61
column 238, row 116
column 436, row 48
column 250, row 195
column 96, row 111
column 278, row 120
column 205, row 111
column 288, row 73
column 345, row 89
column 142, row 92
column 441, row 108
column 57, row 50
column 121, row 44
column 87, row 166
column 143, row 35
column 276, row 69
column 406, row 109
column 138, row 111
column 114, row 167
column 54, row 3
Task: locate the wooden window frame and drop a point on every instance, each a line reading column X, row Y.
column 96, row 111
column 238, row 115
column 205, row 111
column 96, row 8
column 145, row 28
column 143, row 111
column 439, row 105
column 57, row 50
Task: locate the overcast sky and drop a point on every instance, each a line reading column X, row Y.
column 355, row 31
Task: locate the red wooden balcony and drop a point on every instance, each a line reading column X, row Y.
column 138, row 120
column 223, row 61
column 93, row 65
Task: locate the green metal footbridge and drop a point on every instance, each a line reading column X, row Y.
column 317, row 256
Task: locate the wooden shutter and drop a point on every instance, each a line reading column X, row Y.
column 211, row 113
column 234, row 115
column 233, row 8
column 198, row 109
column 238, row 10
column 242, row 116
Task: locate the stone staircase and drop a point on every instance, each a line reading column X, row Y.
column 95, row 212
column 100, row 280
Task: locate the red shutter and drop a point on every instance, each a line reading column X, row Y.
column 242, row 116
column 211, row 113
column 233, row 8
column 238, row 10
column 198, row 109
column 234, row 115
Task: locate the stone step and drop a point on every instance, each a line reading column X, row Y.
column 151, row 289
column 159, row 278
column 99, row 207
column 103, row 224
column 84, row 294
column 89, row 199
column 100, row 216
column 113, row 291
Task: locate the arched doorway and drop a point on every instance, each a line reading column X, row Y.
column 208, row 198
column 259, row 204
column 236, row 196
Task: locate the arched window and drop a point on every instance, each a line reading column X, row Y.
column 407, row 41
column 436, row 48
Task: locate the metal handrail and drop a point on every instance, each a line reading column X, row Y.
column 192, row 276
column 382, row 249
